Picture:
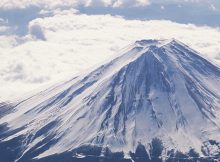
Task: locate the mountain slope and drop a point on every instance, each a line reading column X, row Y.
column 155, row 89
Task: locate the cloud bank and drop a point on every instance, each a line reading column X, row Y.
column 67, row 43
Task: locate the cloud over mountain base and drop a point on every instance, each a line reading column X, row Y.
column 66, row 43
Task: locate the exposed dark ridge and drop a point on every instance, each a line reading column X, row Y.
column 5, row 108
column 92, row 153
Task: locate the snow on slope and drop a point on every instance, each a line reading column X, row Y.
column 154, row 89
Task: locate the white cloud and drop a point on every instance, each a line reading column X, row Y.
column 212, row 7
column 9, row 4
column 36, row 31
column 130, row 3
column 4, row 26
column 74, row 42
column 162, row 7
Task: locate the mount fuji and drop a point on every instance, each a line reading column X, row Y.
column 158, row 100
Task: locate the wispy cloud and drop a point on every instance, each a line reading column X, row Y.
column 49, row 4
column 10, row 4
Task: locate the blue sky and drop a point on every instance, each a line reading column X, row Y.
column 200, row 13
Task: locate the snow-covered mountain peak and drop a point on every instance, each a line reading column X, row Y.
column 152, row 42
column 155, row 89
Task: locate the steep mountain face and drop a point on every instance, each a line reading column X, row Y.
column 154, row 91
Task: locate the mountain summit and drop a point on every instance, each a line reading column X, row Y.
column 156, row 95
